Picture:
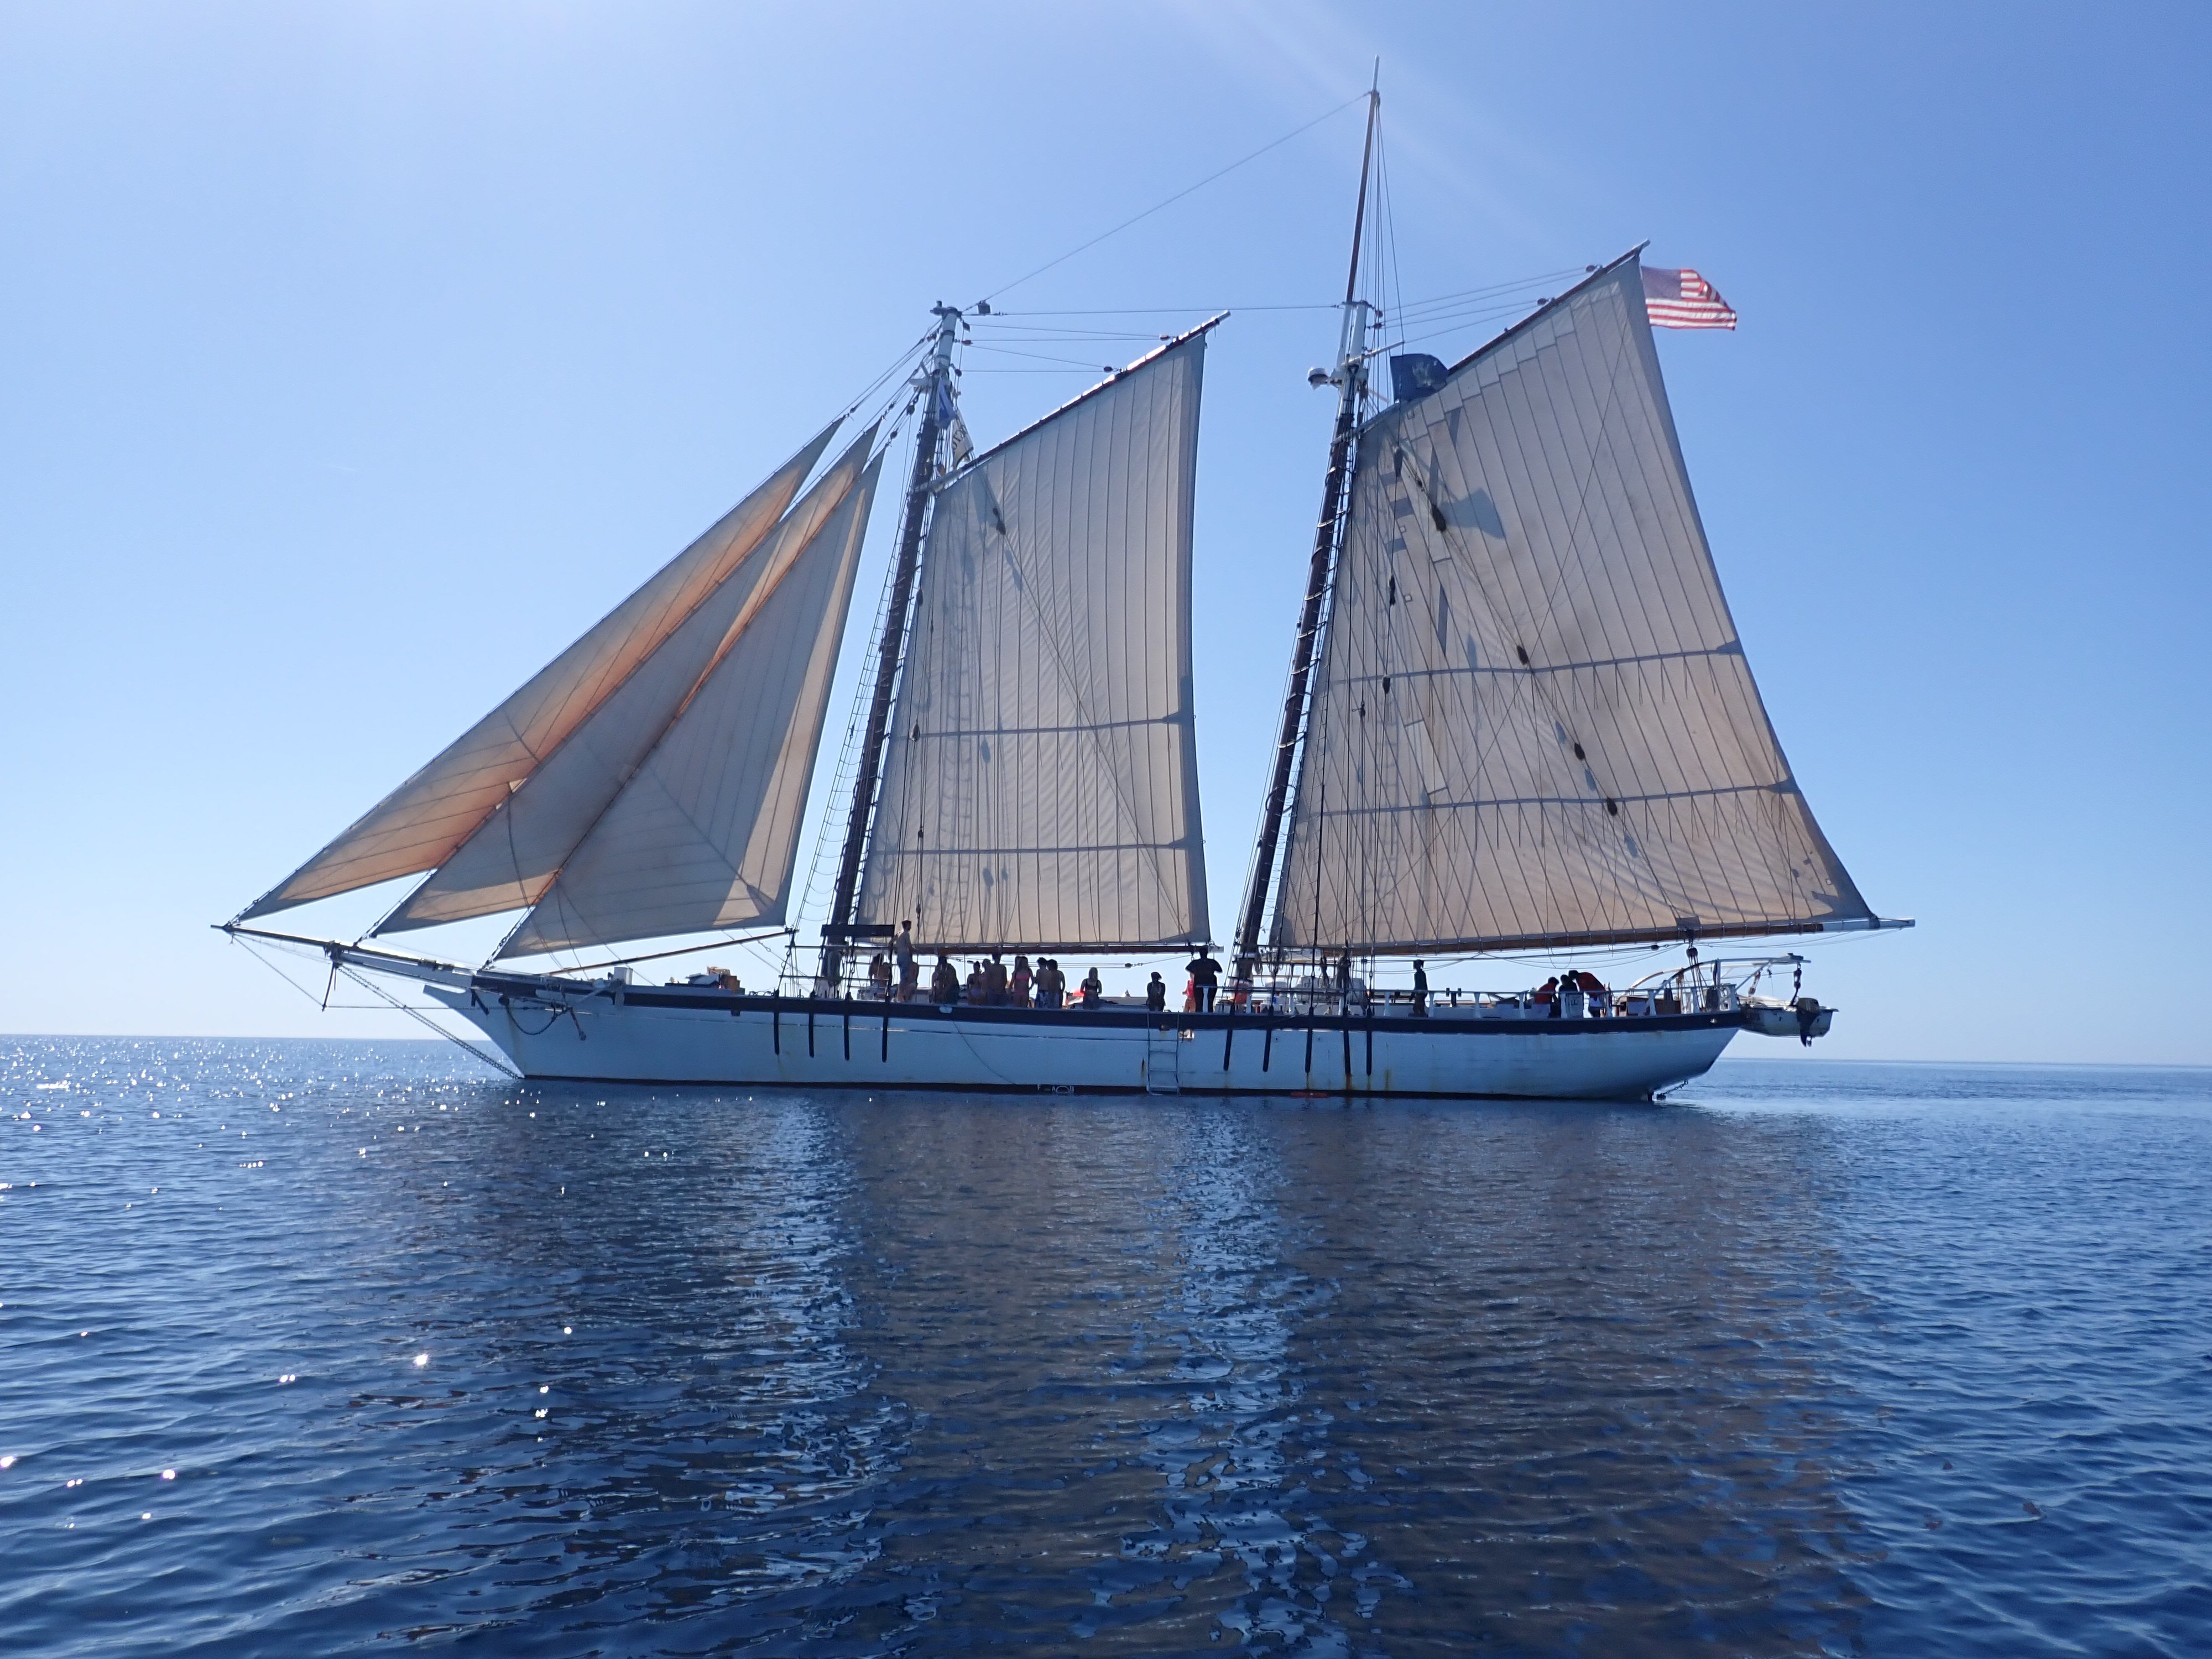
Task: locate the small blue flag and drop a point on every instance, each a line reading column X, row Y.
column 1415, row 374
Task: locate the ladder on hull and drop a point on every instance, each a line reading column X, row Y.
column 1163, row 1058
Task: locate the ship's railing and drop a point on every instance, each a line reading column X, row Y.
column 1459, row 1004
column 1717, row 986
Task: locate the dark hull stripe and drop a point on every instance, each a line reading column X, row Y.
column 920, row 1013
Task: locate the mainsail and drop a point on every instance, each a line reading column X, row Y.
column 419, row 825
column 1533, row 721
column 513, row 856
column 1039, row 787
column 704, row 833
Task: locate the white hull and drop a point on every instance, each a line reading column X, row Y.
column 678, row 1035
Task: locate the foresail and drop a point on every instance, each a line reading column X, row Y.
column 1533, row 721
column 507, row 864
column 418, row 825
column 705, row 833
column 1040, row 786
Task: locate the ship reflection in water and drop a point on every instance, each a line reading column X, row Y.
column 704, row 1373
column 1300, row 1374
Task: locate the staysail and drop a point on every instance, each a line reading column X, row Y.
column 513, row 856
column 704, row 833
column 1039, row 783
column 1533, row 721
column 419, row 825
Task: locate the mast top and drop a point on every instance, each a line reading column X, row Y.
column 1359, row 215
column 948, row 328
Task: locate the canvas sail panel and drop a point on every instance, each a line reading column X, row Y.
column 1039, row 785
column 1532, row 719
column 507, row 864
column 705, row 835
column 417, row 826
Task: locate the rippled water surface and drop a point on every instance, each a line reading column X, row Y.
column 313, row 1348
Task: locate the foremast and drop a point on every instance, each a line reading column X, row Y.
column 934, row 389
column 1349, row 378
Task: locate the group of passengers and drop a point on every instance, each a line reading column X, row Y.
column 989, row 983
column 1575, row 994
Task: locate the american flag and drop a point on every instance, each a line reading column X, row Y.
column 1682, row 299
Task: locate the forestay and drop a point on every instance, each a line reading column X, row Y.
column 1039, row 785
column 419, row 825
column 1533, row 721
column 705, row 833
column 513, row 856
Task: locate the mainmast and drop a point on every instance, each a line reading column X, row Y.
column 934, row 388
column 1351, row 381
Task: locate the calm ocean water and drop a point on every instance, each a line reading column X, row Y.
column 1818, row 1359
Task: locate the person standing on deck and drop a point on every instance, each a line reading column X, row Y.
column 1420, row 989
column 943, row 982
column 1204, row 975
column 1093, row 987
column 1018, row 987
column 994, row 982
column 1156, row 994
column 903, row 951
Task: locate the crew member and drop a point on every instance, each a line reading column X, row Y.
column 1204, row 975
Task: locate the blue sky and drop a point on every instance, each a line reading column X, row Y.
column 356, row 357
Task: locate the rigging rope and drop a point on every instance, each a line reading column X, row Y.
column 1008, row 287
column 421, row 1019
column 412, row 1012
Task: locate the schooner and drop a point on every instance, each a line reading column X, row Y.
column 1518, row 718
